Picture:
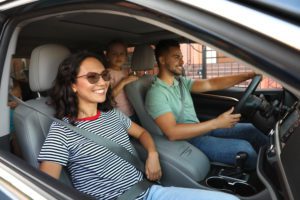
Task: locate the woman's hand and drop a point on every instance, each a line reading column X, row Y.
column 130, row 79
column 152, row 167
column 12, row 104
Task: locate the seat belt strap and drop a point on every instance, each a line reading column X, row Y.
column 136, row 190
column 182, row 98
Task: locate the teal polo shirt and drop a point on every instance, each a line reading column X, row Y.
column 162, row 98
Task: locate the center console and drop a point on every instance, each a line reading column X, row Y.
column 233, row 180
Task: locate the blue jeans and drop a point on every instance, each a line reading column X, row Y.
column 158, row 192
column 222, row 145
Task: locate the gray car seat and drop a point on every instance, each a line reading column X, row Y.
column 182, row 164
column 32, row 127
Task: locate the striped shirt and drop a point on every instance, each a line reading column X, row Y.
column 93, row 168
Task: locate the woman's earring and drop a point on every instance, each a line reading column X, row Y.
column 73, row 88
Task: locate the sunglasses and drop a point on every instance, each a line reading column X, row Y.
column 94, row 77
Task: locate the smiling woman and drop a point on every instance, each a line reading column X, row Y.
column 83, row 82
column 90, row 87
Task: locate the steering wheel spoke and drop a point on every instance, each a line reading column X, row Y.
column 250, row 90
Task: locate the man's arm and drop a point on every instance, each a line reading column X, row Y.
column 174, row 131
column 220, row 83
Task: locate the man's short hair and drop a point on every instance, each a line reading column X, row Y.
column 163, row 46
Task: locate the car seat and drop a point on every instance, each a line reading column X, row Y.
column 31, row 126
column 182, row 164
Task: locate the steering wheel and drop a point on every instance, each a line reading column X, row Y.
column 250, row 90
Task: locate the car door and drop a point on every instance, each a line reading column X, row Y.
column 19, row 180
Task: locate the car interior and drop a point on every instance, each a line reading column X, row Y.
column 47, row 38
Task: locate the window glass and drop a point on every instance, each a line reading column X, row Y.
column 202, row 61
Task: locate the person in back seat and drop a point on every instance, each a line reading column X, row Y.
column 17, row 92
column 222, row 138
column 116, row 54
column 82, row 96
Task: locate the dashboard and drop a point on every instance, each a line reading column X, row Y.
column 289, row 124
column 285, row 150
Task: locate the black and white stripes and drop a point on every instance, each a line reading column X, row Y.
column 94, row 169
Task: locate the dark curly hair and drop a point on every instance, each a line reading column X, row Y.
column 63, row 97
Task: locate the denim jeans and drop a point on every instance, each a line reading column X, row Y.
column 222, row 145
column 158, row 192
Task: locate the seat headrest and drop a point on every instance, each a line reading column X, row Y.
column 44, row 63
column 142, row 58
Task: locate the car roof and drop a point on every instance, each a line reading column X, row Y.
column 288, row 9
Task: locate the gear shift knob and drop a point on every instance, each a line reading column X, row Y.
column 240, row 160
column 238, row 171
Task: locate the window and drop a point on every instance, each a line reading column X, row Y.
column 211, row 56
column 204, row 62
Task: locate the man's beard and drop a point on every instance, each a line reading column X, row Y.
column 176, row 71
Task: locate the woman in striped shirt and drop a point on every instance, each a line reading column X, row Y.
column 82, row 96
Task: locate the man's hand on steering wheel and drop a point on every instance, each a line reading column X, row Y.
column 227, row 119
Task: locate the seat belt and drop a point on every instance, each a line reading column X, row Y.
column 114, row 147
column 182, row 97
column 181, row 113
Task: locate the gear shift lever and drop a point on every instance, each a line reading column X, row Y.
column 240, row 160
column 236, row 172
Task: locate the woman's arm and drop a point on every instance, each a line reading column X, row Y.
column 51, row 168
column 152, row 166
